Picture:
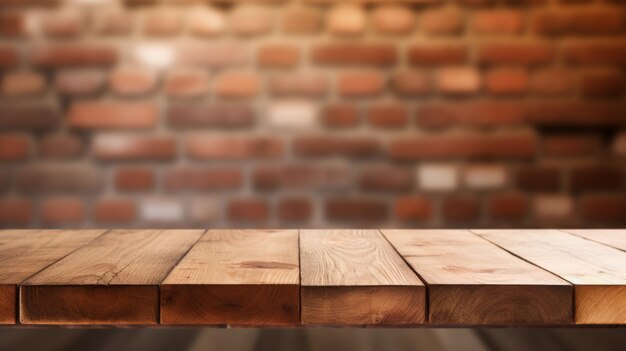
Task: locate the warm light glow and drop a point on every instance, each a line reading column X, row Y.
column 155, row 55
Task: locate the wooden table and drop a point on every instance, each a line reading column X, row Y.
column 313, row 277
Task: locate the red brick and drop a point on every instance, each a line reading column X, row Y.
column 604, row 208
column 115, row 211
column 508, row 145
column 326, row 146
column 508, row 207
column 437, row 54
column 603, row 82
column 215, row 114
column 470, row 114
column 9, row 57
column 340, row 115
column 413, row 208
column 251, row 20
column 594, row 178
column 134, row 179
column 23, row 83
column 442, row 22
column 69, row 178
column 60, row 146
column 355, row 54
column 302, row 176
column 248, row 210
column 519, row 53
column 361, row 83
column 393, row 19
column 461, row 208
column 346, row 20
column 64, row 24
column 112, row 115
column 539, row 178
column 14, row 147
column 128, row 147
column 5, row 179
column 13, row 25
column 411, row 83
column 385, row 178
column 81, row 82
column 214, row 147
column 132, row 81
column 500, row 21
column 503, row 81
column 29, row 116
column 237, row 84
column 551, row 82
column 587, row 21
column 62, row 210
column 298, row 84
column 207, row 22
column 458, row 81
column 73, row 55
column 202, row 179
column 112, row 22
column 596, row 53
column 619, row 144
column 278, row 55
column 388, row 115
column 213, row 55
column 295, row 209
column 576, row 145
column 576, row 113
column 162, row 22
column 185, row 83
column 355, row 210
column 304, row 20
column 15, row 211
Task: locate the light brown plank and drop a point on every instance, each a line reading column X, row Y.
column 473, row 282
column 242, row 277
column 355, row 277
column 597, row 271
column 612, row 237
column 26, row 252
column 113, row 280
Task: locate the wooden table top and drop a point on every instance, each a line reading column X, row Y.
column 313, row 277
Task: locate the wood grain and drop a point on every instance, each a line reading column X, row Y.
column 473, row 282
column 242, row 277
column 597, row 271
column 26, row 252
column 113, row 280
column 612, row 237
column 355, row 277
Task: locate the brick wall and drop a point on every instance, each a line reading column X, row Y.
column 303, row 113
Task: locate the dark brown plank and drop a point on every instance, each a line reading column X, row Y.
column 113, row 280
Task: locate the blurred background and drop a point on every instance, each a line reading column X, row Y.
column 312, row 113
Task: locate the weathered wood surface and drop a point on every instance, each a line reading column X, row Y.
column 471, row 281
column 352, row 277
column 26, row 252
column 243, row 277
column 313, row 277
column 597, row 271
column 113, row 280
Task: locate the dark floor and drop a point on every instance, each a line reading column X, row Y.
column 311, row 339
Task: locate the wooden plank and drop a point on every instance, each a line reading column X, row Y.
column 113, row 280
column 473, row 282
column 26, row 252
column 598, row 272
column 242, row 277
column 612, row 237
column 355, row 277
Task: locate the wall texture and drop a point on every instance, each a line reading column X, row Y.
column 301, row 113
